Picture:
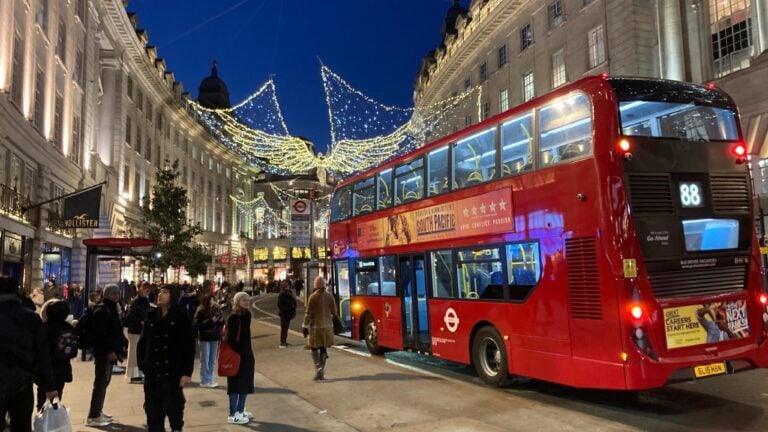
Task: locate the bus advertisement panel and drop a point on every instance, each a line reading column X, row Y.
column 490, row 212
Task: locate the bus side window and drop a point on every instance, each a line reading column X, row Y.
column 363, row 197
column 565, row 130
column 342, row 204
column 474, row 159
column 437, row 168
column 409, row 181
column 480, row 274
column 384, row 189
column 387, row 275
column 523, row 269
column 442, row 274
column 517, row 145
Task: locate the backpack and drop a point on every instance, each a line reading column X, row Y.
column 85, row 329
column 66, row 345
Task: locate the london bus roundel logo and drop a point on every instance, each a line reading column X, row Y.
column 451, row 320
column 300, row 206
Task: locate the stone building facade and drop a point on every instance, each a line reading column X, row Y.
column 84, row 98
column 516, row 50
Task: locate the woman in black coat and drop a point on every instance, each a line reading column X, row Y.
column 239, row 338
column 287, row 306
column 62, row 345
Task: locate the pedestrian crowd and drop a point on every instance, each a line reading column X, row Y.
column 150, row 329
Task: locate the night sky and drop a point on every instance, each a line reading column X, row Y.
column 375, row 45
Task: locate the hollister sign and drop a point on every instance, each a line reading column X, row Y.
column 82, row 210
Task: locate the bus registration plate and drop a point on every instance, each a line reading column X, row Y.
column 709, row 370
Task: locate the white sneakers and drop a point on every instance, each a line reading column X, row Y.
column 210, row 385
column 238, row 418
column 98, row 421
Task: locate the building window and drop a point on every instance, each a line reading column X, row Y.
column 139, row 99
column 129, row 88
column 503, row 100
column 80, row 10
column 558, row 68
column 58, row 124
column 149, row 149
column 74, row 151
column 556, row 15
column 502, row 55
column 732, row 42
column 528, row 90
column 42, row 16
column 483, row 72
column 467, row 84
column 79, row 69
column 128, row 127
column 468, row 120
column 149, row 110
column 17, row 77
column 486, row 110
column 39, row 96
column 596, row 46
column 61, row 44
column 139, row 139
column 526, row 37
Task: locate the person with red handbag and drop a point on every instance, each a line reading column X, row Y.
column 238, row 337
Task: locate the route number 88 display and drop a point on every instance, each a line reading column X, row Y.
column 691, row 194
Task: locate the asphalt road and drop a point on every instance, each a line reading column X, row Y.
column 733, row 403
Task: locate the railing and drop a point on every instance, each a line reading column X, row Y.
column 53, row 225
column 12, row 203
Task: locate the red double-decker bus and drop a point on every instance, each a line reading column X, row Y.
column 599, row 236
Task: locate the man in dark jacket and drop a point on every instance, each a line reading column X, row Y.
column 24, row 359
column 109, row 345
column 166, row 353
column 62, row 346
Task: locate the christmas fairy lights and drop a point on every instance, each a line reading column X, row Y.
column 364, row 132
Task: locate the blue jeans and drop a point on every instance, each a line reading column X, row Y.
column 209, row 350
column 236, row 403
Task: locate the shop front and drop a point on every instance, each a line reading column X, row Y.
column 57, row 267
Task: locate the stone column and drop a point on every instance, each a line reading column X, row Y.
column 671, row 40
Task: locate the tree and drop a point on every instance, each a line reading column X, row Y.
column 197, row 261
column 165, row 216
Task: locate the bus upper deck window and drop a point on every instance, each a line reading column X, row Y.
column 565, row 129
column 384, row 189
column 517, row 145
column 474, row 159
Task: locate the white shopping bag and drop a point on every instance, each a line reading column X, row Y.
column 53, row 418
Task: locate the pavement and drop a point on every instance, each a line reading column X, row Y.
column 361, row 393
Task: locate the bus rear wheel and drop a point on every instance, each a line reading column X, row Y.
column 489, row 356
column 371, row 332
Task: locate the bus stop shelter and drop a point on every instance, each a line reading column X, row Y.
column 110, row 249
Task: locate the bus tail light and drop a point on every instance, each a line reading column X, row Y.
column 625, row 147
column 763, row 299
column 639, row 334
column 740, row 151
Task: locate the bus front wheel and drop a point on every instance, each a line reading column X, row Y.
column 489, row 356
column 371, row 332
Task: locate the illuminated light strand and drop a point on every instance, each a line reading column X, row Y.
column 276, row 151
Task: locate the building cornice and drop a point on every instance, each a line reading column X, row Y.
column 142, row 59
column 470, row 38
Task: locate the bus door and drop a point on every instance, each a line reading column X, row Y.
column 413, row 285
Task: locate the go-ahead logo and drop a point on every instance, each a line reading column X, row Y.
column 451, row 320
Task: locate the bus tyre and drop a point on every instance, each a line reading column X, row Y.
column 371, row 332
column 489, row 356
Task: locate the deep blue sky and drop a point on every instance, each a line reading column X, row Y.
column 375, row 45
